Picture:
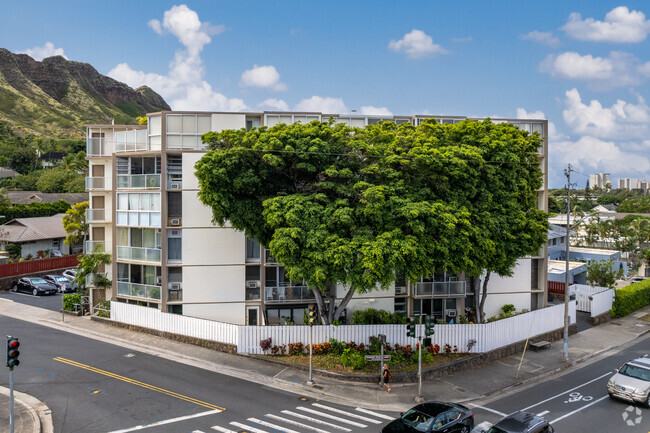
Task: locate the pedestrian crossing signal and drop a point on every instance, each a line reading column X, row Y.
column 12, row 352
column 312, row 315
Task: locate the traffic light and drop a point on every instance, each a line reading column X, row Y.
column 429, row 326
column 312, row 315
column 12, row 352
column 426, row 342
column 410, row 328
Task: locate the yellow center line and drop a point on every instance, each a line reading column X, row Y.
column 138, row 383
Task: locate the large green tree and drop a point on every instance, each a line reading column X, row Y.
column 75, row 225
column 354, row 207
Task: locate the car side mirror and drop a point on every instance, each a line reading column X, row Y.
column 616, row 370
column 401, row 414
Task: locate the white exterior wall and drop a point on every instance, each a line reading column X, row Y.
column 41, row 245
column 189, row 179
column 377, row 299
column 195, row 213
column 228, row 121
column 502, row 291
column 229, row 313
column 213, row 246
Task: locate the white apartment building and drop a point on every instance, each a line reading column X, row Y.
column 600, row 180
column 167, row 254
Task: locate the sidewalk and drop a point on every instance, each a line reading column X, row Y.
column 463, row 386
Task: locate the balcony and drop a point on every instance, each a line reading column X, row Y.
column 91, row 245
column 175, row 292
column 92, row 278
column 138, row 181
column 149, row 255
column 98, row 147
column 440, row 289
column 96, row 216
column 134, row 140
column 135, row 290
column 288, row 294
column 98, row 183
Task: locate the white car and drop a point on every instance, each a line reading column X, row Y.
column 631, row 382
column 69, row 273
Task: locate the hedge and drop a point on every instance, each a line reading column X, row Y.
column 631, row 298
column 34, row 210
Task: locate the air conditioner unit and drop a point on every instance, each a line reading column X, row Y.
column 451, row 313
column 252, row 284
column 175, row 221
column 175, row 185
column 174, row 234
column 159, row 280
column 175, row 286
column 400, row 290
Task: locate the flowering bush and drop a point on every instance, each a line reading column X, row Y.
column 265, row 344
column 296, row 349
column 279, row 350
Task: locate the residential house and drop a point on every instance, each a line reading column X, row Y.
column 167, row 253
column 36, row 235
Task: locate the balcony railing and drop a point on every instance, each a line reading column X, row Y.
column 151, row 255
column 287, row 294
column 135, row 290
column 440, row 289
column 131, row 141
column 98, row 183
column 138, row 181
column 174, row 295
column 98, row 147
column 95, row 215
column 91, row 245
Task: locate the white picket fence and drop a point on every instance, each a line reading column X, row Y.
column 593, row 299
column 487, row 336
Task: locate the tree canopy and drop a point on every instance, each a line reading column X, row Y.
column 356, row 206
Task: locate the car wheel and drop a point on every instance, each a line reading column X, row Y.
column 647, row 400
column 15, row 288
column 35, row 292
column 465, row 429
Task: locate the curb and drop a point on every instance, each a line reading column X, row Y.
column 40, row 412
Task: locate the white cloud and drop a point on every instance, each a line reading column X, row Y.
column 545, row 38
column 183, row 87
column 416, row 44
column 622, row 121
column 369, row 110
column 263, row 76
column 620, row 25
column 47, row 50
column 324, row 105
column 274, row 105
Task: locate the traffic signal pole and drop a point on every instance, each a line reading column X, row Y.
column 11, row 400
column 419, row 398
column 12, row 361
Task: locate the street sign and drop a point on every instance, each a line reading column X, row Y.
column 377, row 357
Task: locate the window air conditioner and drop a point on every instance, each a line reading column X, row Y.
column 174, row 233
column 176, row 221
column 159, row 280
column 175, row 286
column 400, row 290
column 175, row 185
column 451, row 313
column 252, row 284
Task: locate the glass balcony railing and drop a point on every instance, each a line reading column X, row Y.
column 150, row 255
column 95, row 215
column 98, row 183
column 135, row 290
column 98, row 147
column 440, row 289
column 91, row 245
column 282, row 294
column 138, row 181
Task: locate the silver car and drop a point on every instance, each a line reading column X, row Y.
column 631, row 382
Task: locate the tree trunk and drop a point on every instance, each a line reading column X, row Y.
column 484, row 296
column 476, row 288
column 326, row 307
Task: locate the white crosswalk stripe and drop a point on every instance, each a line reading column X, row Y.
column 342, row 412
column 247, row 427
column 221, row 429
column 330, row 416
column 315, row 420
column 275, row 427
column 378, row 415
column 296, row 423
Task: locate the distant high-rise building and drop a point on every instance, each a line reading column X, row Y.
column 629, row 184
column 600, row 180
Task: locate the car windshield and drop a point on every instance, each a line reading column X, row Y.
column 496, row 430
column 418, row 420
column 61, row 279
column 635, row 372
column 37, row 281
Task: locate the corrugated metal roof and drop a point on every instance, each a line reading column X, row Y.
column 33, row 229
column 28, row 197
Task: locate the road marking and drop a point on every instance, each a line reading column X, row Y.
column 578, row 410
column 543, row 413
column 330, row 416
column 247, row 427
column 296, row 423
column 488, row 409
column 342, row 412
column 141, row 384
column 315, row 420
column 562, row 393
column 380, row 415
column 221, row 429
column 275, row 427
column 167, row 421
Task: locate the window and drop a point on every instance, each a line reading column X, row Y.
column 252, row 250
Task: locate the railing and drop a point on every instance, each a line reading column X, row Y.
column 40, row 265
column 97, row 147
column 287, row 293
column 138, row 218
column 98, row 183
column 556, row 287
column 174, row 295
column 139, row 181
column 135, row 290
column 139, row 254
column 440, row 289
column 95, row 215
column 91, row 245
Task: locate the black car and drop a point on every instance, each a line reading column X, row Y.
column 63, row 284
column 434, row 416
column 34, row 285
column 519, row 422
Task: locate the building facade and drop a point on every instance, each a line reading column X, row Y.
column 600, row 180
column 167, row 254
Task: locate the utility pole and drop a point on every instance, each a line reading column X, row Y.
column 419, row 398
column 567, row 172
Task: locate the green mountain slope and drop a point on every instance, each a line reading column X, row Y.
column 56, row 97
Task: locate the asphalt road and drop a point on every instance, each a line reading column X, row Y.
column 49, row 302
column 91, row 386
column 577, row 402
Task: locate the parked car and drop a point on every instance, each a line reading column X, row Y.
column 638, row 278
column 518, row 422
column 631, row 382
column 53, row 253
column 63, row 284
column 69, row 273
column 433, row 416
column 34, row 285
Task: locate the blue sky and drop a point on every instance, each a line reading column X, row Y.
column 584, row 65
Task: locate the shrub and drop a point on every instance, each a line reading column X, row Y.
column 106, row 309
column 69, row 301
column 370, row 316
column 427, row 357
column 296, row 349
column 352, row 359
column 508, row 309
column 337, row 347
column 631, row 298
column 265, row 344
column 279, row 350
